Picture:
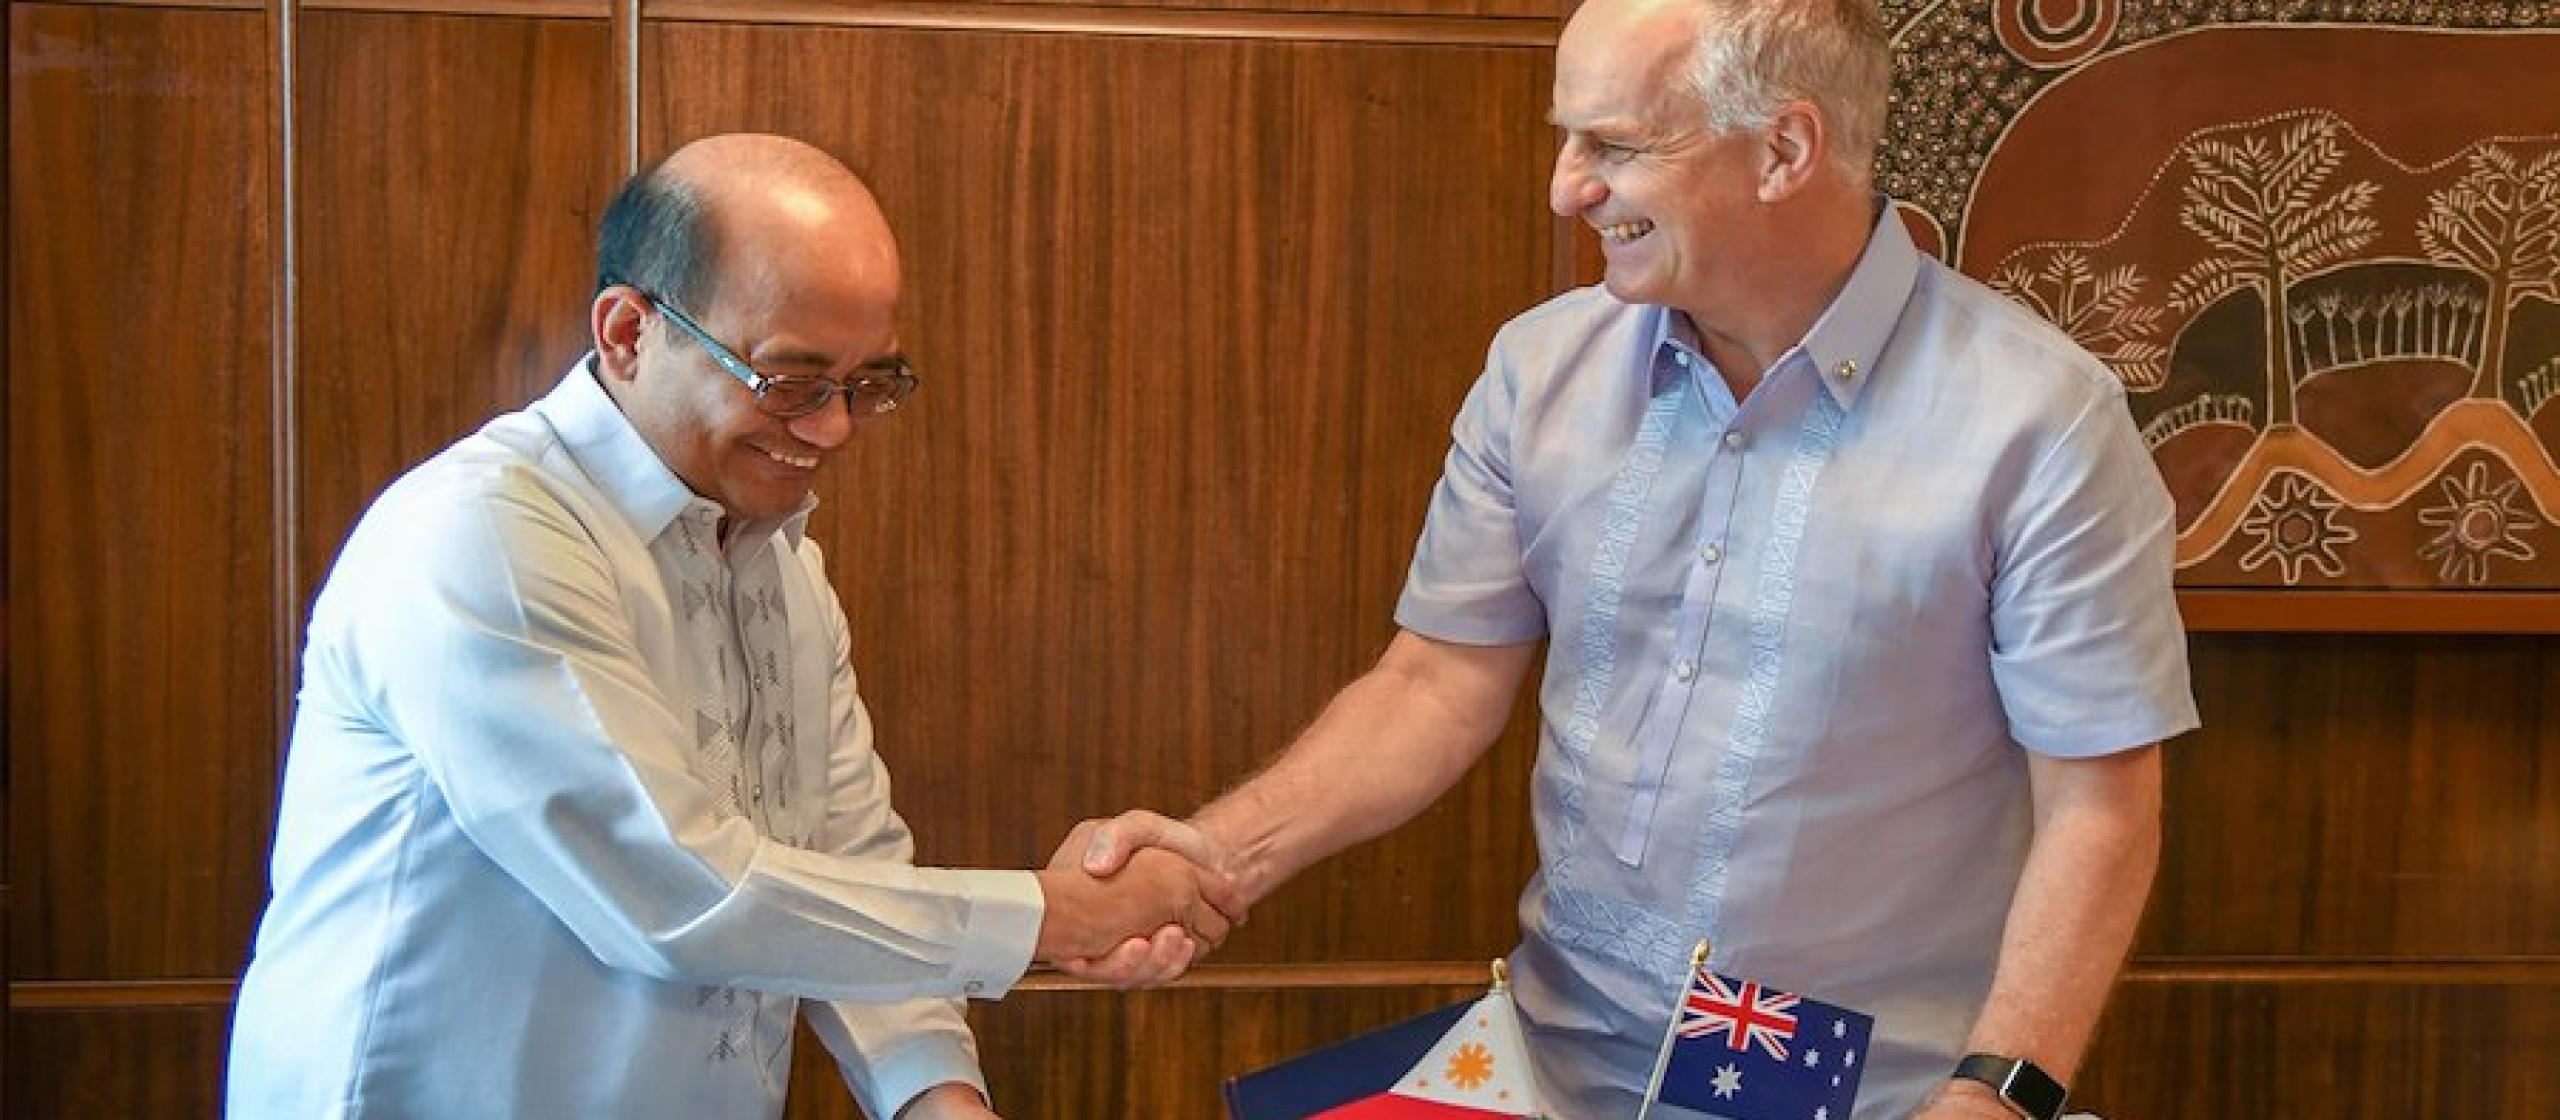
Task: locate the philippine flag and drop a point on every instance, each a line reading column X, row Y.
column 1462, row 1062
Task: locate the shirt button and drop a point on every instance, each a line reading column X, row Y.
column 974, row 987
column 1681, row 357
column 1711, row 553
column 1735, row 440
column 1685, row 669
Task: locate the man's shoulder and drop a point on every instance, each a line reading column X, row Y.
column 1990, row 336
column 511, row 456
column 1555, row 336
column 1571, row 313
column 511, row 472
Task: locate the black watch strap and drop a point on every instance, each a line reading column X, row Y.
column 2025, row 1085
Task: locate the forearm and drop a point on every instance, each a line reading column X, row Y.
column 1388, row 745
column 2088, row 873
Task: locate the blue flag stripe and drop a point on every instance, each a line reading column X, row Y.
column 1346, row 1071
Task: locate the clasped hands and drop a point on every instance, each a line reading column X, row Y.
column 1134, row 899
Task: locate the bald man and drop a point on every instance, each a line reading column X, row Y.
column 581, row 808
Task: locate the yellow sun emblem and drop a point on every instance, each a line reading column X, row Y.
column 1471, row 1066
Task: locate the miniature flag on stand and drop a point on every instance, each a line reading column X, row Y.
column 1465, row 1061
column 1746, row 1051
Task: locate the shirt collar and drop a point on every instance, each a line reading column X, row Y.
column 1847, row 341
column 639, row 485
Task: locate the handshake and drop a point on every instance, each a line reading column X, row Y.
column 1133, row 900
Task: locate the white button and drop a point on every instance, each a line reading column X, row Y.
column 1685, row 669
column 1735, row 440
column 1682, row 357
column 974, row 987
column 1711, row 553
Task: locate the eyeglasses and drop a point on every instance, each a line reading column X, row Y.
column 877, row 387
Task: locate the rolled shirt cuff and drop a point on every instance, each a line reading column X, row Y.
column 1003, row 929
column 905, row 1073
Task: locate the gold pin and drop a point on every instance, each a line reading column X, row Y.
column 1848, row 368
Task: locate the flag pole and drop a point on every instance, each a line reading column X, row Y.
column 1662, row 1057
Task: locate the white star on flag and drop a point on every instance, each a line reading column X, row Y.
column 1728, row 1081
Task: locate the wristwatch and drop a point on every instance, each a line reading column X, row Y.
column 2022, row 1084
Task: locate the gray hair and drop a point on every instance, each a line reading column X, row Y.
column 1753, row 55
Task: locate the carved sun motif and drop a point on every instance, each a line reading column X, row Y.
column 2296, row 524
column 2477, row 523
column 1471, row 1066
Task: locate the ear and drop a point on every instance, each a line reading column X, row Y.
column 1797, row 143
column 615, row 320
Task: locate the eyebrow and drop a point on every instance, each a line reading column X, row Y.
column 799, row 359
column 795, row 357
column 1615, row 126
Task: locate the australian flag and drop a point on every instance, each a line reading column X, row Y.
column 1743, row 1050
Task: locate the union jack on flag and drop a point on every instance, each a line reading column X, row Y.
column 1744, row 1050
column 1749, row 1014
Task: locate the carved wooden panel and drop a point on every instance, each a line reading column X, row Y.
column 2335, row 300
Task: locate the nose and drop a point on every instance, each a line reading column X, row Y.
column 829, row 427
column 1573, row 189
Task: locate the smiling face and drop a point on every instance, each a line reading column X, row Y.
column 1675, row 205
column 807, row 285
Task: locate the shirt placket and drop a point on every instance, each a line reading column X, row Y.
column 725, row 706
column 763, row 638
column 719, row 717
column 1666, row 711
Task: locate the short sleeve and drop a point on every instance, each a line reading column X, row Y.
column 2088, row 652
column 1467, row 583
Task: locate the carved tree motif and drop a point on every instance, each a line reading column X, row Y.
column 2502, row 220
column 2101, row 312
column 2264, row 203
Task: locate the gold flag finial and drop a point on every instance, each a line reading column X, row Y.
column 1501, row 974
column 1698, row 956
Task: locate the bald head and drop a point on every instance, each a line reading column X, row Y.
column 744, row 209
column 734, row 266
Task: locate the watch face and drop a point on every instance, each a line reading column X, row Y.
column 2034, row 1090
column 2026, row 1086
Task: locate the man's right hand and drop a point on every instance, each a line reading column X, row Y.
column 1101, row 847
column 1087, row 917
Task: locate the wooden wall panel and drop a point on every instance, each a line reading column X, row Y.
column 2354, row 797
column 127, row 1064
column 452, row 171
column 141, row 737
column 1192, row 319
column 2362, row 1051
